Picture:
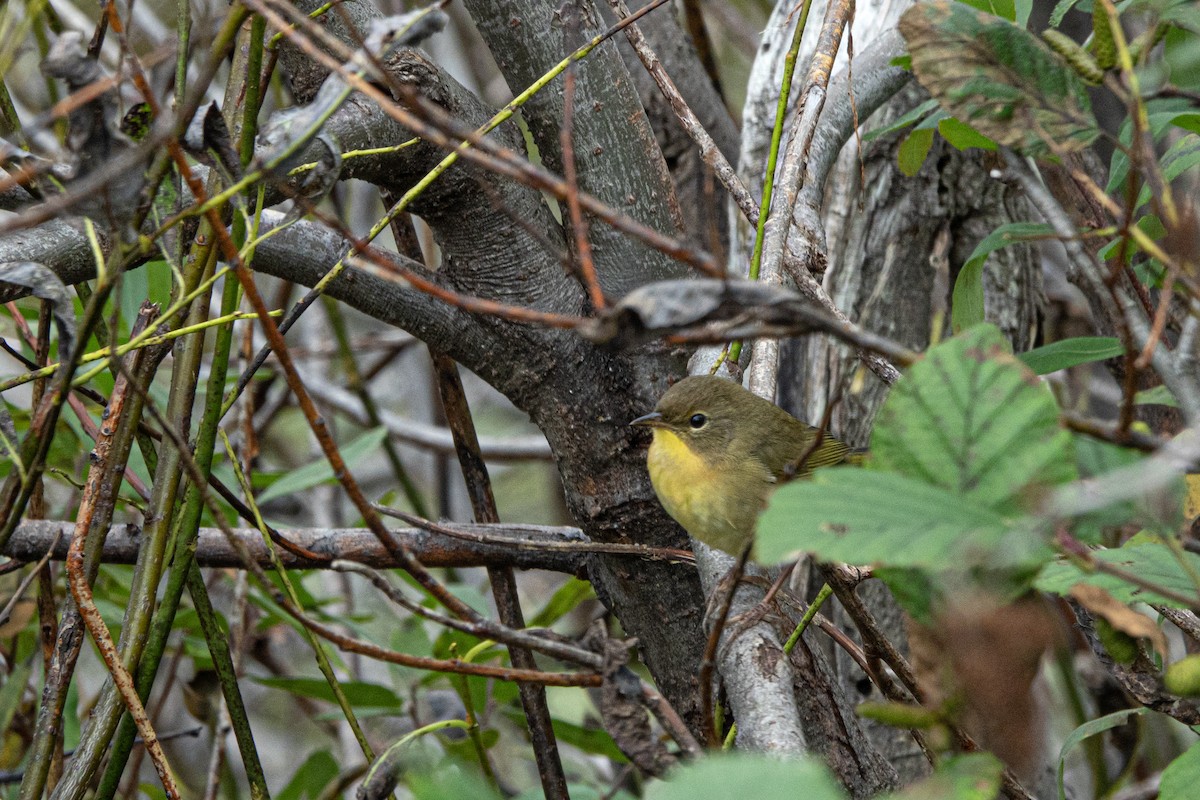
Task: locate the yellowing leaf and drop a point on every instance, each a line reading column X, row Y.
column 1119, row 615
column 998, row 78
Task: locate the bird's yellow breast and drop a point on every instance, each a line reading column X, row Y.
column 704, row 498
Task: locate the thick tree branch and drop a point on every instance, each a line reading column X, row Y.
column 520, row 546
column 617, row 157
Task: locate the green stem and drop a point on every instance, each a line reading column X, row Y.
column 781, row 107
column 218, row 647
column 809, row 614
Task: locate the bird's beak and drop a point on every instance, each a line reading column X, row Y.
column 651, row 420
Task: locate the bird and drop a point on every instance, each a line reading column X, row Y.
column 719, row 450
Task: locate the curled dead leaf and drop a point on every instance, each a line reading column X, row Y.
column 1119, row 615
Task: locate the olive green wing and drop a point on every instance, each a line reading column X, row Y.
column 793, row 455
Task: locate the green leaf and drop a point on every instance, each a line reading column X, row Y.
column 999, row 8
column 1147, row 558
column 868, row 517
column 1149, row 271
column 449, row 781
column 962, row 136
column 916, row 593
column 1181, row 49
column 1188, row 121
column 1088, row 729
column 972, row 776
column 971, row 419
column 720, row 777
column 593, row 740
column 565, row 600
column 912, row 151
column 312, row 776
column 1182, row 156
column 319, row 471
column 998, row 78
column 1181, row 776
column 1095, row 456
column 11, row 692
column 1071, row 353
column 1060, row 11
column 903, row 121
column 966, row 306
column 1024, row 9
column 1157, row 396
column 1163, row 114
column 357, row 692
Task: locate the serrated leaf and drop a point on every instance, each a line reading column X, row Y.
column 998, row 78
column 1071, row 353
column 867, row 517
column 912, row 151
column 747, row 775
column 1181, row 776
column 970, row 418
column 319, row 471
column 1151, row 561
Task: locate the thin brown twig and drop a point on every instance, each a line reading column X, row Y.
column 615, row 548
column 876, row 360
column 502, row 579
column 872, row 634
column 348, row 643
column 434, row 124
column 81, row 590
column 315, row 420
column 1159, row 321
column 669, row 718
column 503, row 633
column 23, row 586
column 523, row 547
column 579, row 225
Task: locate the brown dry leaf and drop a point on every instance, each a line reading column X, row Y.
column 1119, row 615
column 21, row 613
column 987, row 654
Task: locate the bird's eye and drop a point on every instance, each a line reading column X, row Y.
column 698, row 421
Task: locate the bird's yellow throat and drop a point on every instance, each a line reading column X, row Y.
column 682, row 478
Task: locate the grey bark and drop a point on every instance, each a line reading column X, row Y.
column 879, row 235
column 615, row 150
